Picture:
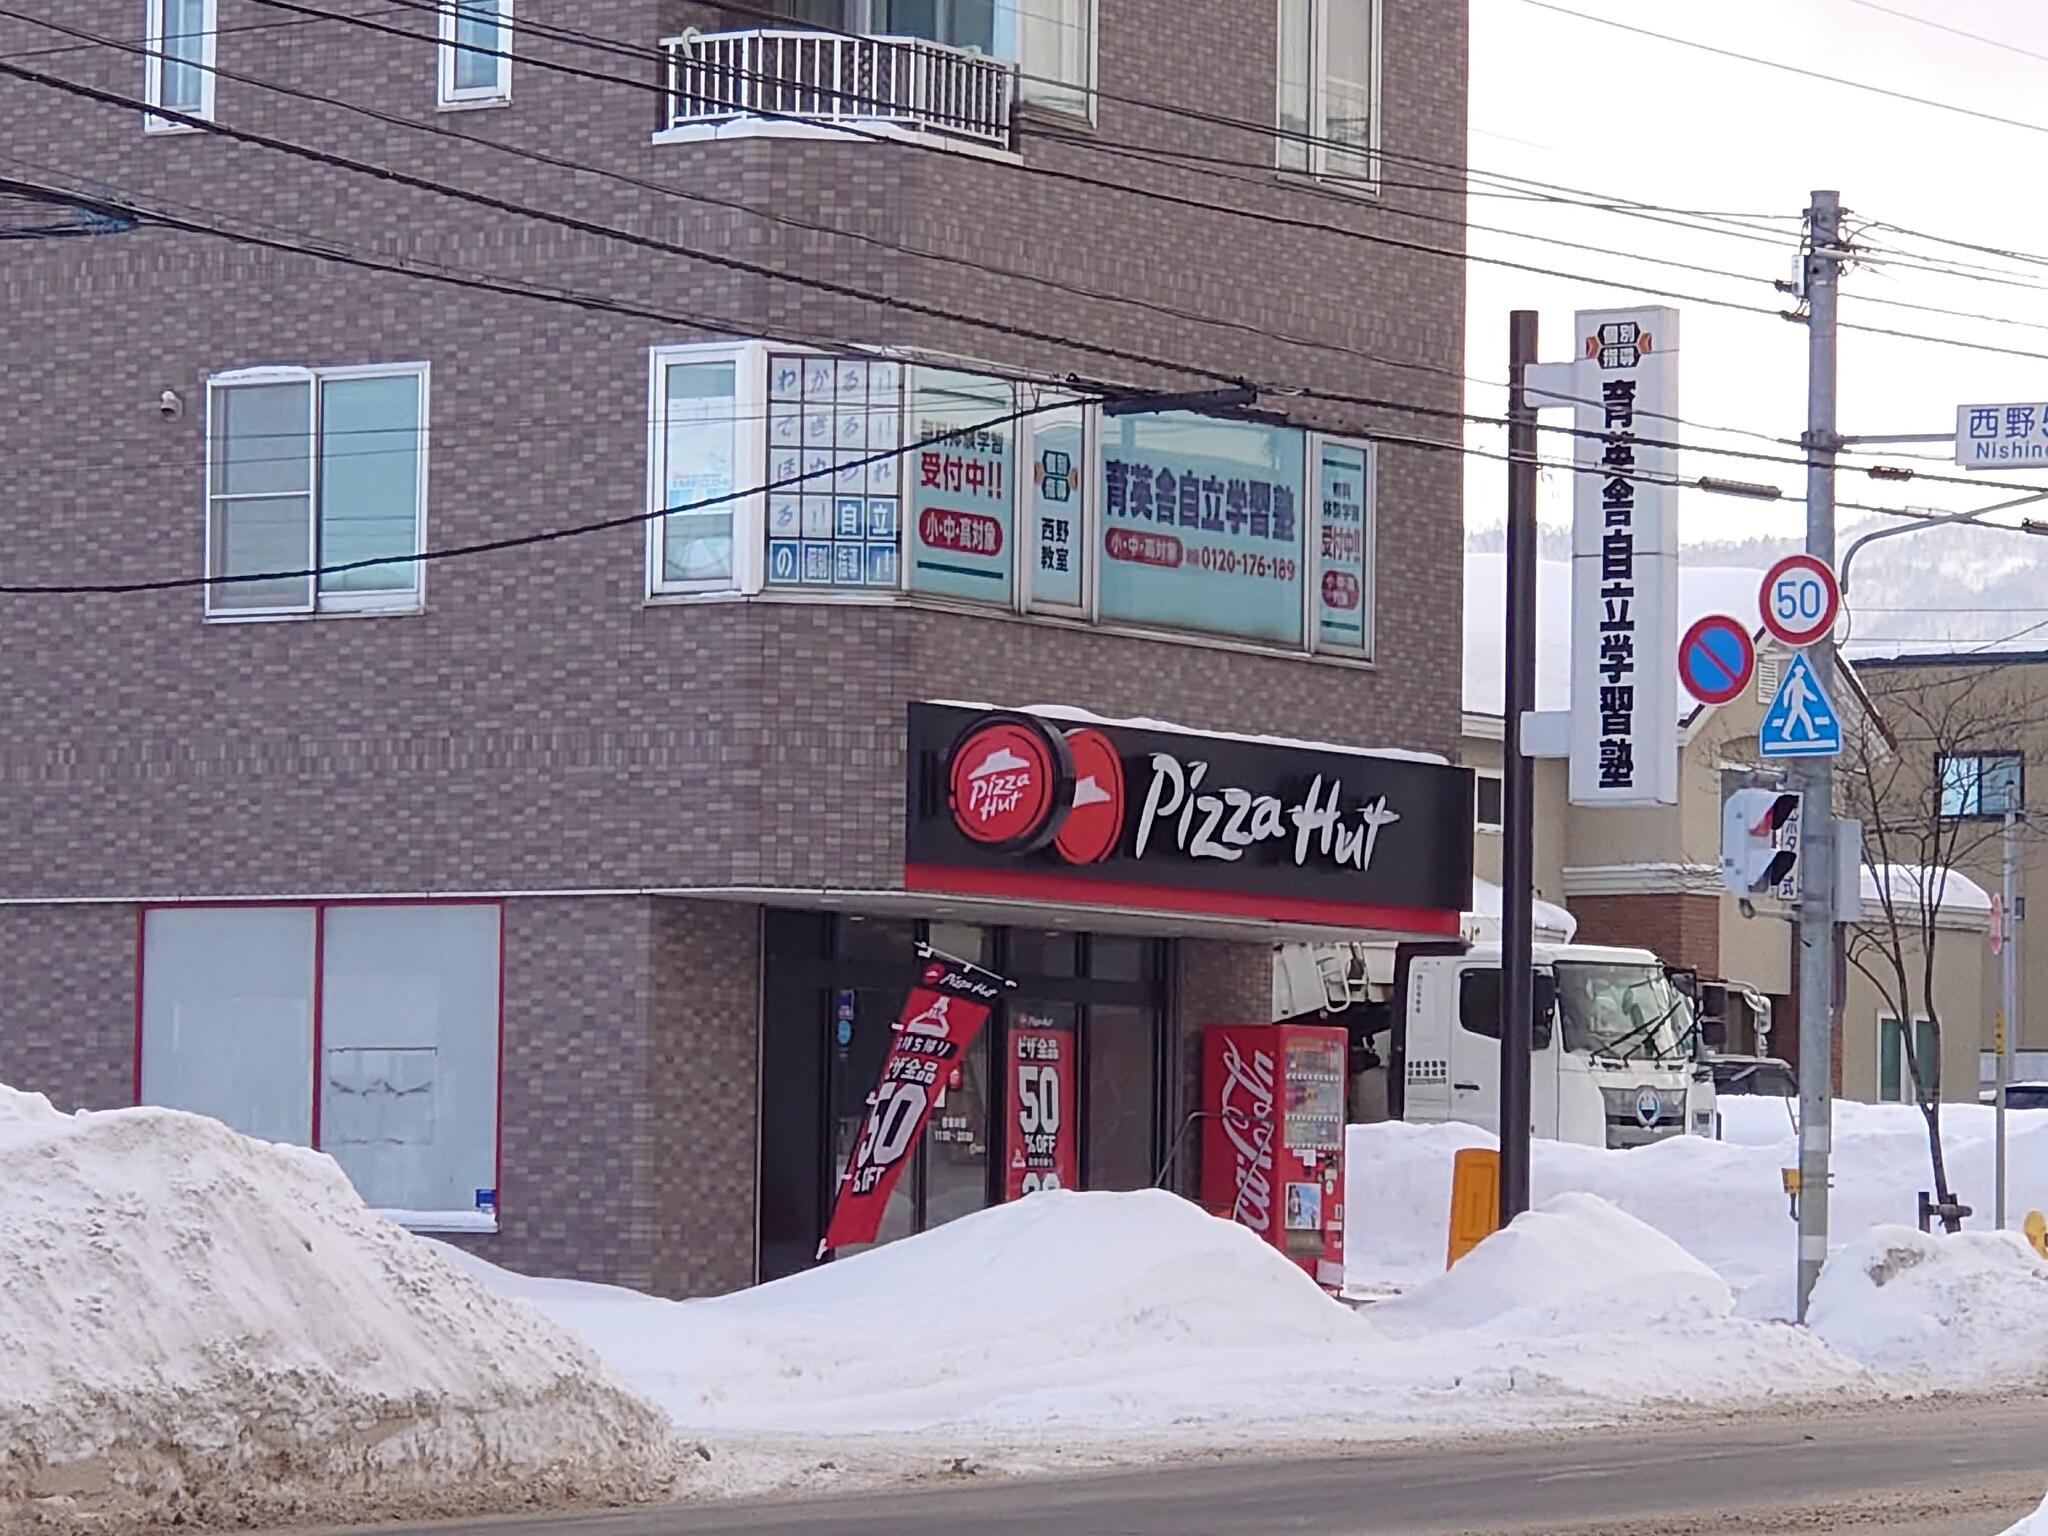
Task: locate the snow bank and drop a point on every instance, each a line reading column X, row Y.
column 2035, row 1524
column 1084, row 1328
column 1963, row 1313
column 1721, row 1201
column 198, row 1326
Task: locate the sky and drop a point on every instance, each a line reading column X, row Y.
column 1572, row 102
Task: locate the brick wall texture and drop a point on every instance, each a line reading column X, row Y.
column 1681, row 929
column 540, row 727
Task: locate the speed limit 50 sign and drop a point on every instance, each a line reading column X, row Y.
column 1800, row 600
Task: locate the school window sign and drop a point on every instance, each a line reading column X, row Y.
column 1202, row 525
column 1057, row 511
column 1343, row 483
column 963, row 486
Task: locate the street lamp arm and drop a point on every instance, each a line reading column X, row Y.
column 1920, row 525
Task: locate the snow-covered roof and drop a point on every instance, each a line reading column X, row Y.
column 1146, row 723
column 1549, row 922
column 1960, row 895
column 1702, row 589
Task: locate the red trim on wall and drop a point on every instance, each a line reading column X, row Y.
column 141, row 937
column 498, row 1155
column 143, row 909
column 1066, row 890
column 319, row 1021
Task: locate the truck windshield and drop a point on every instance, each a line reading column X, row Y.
column 1621, row 1010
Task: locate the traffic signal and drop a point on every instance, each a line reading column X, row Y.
column 1755, row 858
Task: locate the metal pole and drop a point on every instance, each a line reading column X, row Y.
column 1518, row 788
column 2008, row 984
column 1816, row 774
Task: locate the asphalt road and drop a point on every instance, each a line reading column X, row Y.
column 1959, row 1469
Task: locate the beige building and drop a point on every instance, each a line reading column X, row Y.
column 1652, row 877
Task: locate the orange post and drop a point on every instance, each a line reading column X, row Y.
column 1475, row 1200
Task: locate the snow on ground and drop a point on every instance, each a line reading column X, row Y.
column 1964, row 1313
column 198, row 1326
column 1722, row 1201
column 1076, row 1329
column 2035, row 1524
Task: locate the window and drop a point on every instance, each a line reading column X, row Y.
column 178, row 66
column 475, row 53
column 1980, row 784
column 835, row 503
column 1329, row 87
column 315, row 468
column 707, row 447
column 1487, row 789
column 1051, row 41
column 1895, row 1078
column 389, row 1062
column 861, row 475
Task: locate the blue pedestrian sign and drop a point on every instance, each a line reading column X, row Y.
column 1801, row 721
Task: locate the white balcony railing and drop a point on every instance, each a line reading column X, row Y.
column 826, row 77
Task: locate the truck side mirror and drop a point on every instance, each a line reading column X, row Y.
column 1546, row 1009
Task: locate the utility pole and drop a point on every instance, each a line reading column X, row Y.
column 2008, row 979
column 1518, row 787
column 1816, row 930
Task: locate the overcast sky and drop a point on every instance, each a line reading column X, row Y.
column 1569, row 101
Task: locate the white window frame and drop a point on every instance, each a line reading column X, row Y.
column 1909, row 1085
column 1313, row 444
column 153, row 68
column 1495, row 776
column 449, row 95
column 410, row 600
column 750, row 464
column 1318, row 95
column 1086, row 86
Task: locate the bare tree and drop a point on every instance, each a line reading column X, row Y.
column 1921, row 824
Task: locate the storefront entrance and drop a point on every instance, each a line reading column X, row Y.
column 1067, row 1083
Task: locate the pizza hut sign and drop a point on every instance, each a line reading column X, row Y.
column 1004, row 802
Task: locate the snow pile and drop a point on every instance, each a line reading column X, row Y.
column 198, row 1326
column 2035, row 1524
column 1962, row 1313
column 1083, row 1328
column 1721, row 1201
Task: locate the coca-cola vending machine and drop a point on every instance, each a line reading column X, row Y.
column 1273, row 1138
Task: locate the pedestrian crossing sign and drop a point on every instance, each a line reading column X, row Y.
column 1801, row 721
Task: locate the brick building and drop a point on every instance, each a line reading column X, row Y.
column 560, row 890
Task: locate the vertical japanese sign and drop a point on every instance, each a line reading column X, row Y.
column 1202, row 525
column 1624, row 715
column 1042, row 1152
column 962, row 486
column 940, row 1019
column 1341, row 609
column 1056, row 480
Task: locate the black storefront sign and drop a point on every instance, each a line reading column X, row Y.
column 1007, row 803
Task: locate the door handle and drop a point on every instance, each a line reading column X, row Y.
column 1466, row 1087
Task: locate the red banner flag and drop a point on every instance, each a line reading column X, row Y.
column 1041, row 1143
column 940, row 1019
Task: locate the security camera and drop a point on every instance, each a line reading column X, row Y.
column 169, row 405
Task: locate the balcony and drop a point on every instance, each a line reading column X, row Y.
column 901, row 86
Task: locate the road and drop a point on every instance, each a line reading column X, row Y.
column 1956, row 1469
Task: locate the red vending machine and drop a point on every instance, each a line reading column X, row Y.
column 1273, row 1138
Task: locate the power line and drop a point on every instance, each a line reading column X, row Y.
column 592, row 41
column 598, row 43
column 1793, row 69
column 2000, row 44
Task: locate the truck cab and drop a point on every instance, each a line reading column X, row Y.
column 1617, row 1052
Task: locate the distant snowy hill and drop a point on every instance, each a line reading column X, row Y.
column 1956, row 589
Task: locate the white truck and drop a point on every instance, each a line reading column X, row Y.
column 1618, row 1060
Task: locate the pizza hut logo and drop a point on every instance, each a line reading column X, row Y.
column 1008, row 782
column 1016, row 784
